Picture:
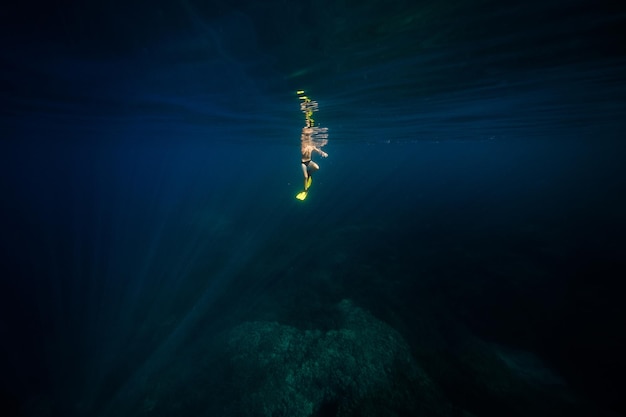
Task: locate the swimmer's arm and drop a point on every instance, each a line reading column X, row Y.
column 321, row 152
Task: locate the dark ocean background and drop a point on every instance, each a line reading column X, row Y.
column 460, row 253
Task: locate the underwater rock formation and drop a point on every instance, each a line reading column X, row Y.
column 363, row 367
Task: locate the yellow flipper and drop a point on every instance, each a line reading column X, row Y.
column 308, row 182
column 301, row 195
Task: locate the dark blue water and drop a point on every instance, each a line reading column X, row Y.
column 460, row 252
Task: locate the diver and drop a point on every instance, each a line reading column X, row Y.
column 307, row 148
column 312, row 139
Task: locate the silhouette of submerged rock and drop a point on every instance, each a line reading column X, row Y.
column 360, row 368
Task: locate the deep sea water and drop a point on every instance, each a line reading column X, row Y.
column 460, row 251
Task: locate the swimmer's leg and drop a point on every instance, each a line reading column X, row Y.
column 311, row 169
column 306, row 176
